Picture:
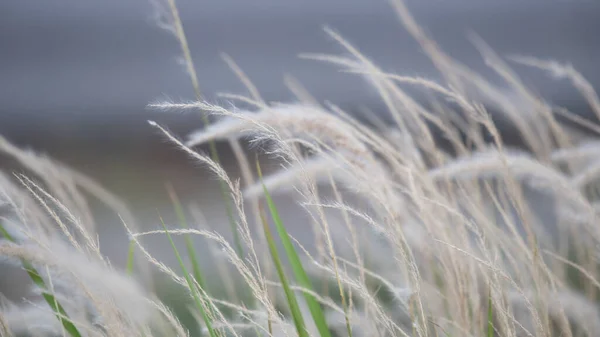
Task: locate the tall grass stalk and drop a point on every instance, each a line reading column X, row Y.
column 191, row 69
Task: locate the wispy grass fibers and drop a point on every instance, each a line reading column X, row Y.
column 214, row 154
column 54, row 304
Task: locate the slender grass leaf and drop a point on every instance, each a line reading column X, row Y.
column 214, row 154
column 193, row 255
column 54, row 304
column 299, row 272
column 193, row 289
column 130, row 258
column 290, row 296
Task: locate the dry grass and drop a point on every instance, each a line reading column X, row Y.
column 411, row 239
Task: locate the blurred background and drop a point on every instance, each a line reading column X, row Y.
column 76, row 77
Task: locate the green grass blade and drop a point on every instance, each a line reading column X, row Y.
column 6, row 234
column 57, row 308
column 130, row 258
column 291, row 297
column 299, row 272
column 193, row 255
column 193, row 289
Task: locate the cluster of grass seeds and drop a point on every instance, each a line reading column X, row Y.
column 411, row 238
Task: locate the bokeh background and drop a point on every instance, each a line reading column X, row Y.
column 76, row 77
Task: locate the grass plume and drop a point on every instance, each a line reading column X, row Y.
column 409, row 235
